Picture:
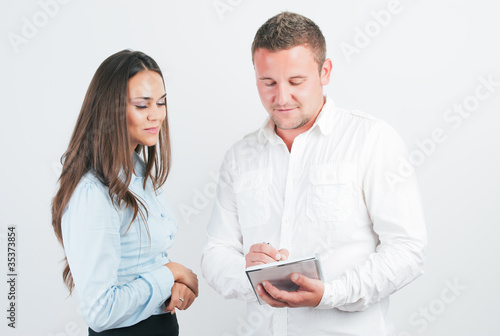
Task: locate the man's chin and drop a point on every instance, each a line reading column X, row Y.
column 285, row 126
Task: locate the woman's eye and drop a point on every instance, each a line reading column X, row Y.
column 141, row 106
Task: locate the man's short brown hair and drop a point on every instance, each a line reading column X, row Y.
column 287, row 30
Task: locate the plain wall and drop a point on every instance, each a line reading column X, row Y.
column 414, row 69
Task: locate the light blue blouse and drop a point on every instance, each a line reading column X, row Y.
column 119, row 273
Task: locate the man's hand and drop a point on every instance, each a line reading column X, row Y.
column 264, row 253
column 182, row 297
column 184, row 275
column 309, row 293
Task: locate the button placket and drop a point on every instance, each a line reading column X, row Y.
column 288, row 216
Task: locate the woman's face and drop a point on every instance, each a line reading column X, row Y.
column 146, row 108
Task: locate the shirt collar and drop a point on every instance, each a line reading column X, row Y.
column 323, row 122
column 325, row 118
column 267, row 132
column 139, row 167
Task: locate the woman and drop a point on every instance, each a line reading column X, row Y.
column 110, row 214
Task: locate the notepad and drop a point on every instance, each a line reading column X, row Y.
column 279, row 273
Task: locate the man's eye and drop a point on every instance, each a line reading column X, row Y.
column 270, row 84
column 295, row 83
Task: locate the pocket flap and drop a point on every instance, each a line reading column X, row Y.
column 331, row 173
column 251, row 180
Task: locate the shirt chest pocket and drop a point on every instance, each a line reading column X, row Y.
column 330, row 192
column 252, row 197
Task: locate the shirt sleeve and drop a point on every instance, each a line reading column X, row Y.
column 91, row 236
column 393, row 204
column 223, row 261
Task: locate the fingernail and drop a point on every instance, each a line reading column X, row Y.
column 278, row 256
column 295, row 277
column 264, row 283
column 284, row 257
column 259, row 288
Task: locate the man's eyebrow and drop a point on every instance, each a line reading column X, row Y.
column 293, row 77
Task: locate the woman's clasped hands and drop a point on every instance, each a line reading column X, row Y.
column 185, row 289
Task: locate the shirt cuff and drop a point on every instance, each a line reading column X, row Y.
column 335, row 295
column 162, row 280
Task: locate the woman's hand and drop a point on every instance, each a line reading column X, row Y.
column 182, row 297
column 184, row 275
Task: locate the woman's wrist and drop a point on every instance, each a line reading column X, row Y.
column 174, row 268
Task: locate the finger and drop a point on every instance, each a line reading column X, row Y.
column 257, row 258
column 284, row 254
column 187, row 297
column 277, row 294
column 188, row 300
column 171, row 301
column 186, row 304
column 301, row 280
column 176, row 293
column 264, row 295
column 181, row 303
column 193, row 284
column 305, row 283
column 175, row 302
column 266, row 249
column 194, row 289
column 171, row 307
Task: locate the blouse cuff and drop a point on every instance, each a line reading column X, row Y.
column 162, row 280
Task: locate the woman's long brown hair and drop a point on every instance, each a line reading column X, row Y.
column 100, row 142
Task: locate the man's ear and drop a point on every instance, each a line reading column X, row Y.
column 326, row 71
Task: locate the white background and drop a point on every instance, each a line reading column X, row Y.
column 428, row 58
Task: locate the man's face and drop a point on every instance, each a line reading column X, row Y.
column 290, row 85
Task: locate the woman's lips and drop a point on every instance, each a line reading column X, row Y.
column 152, row 130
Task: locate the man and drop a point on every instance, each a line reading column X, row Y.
column 313, row 180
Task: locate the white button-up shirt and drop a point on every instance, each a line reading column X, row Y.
column 338, row 193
